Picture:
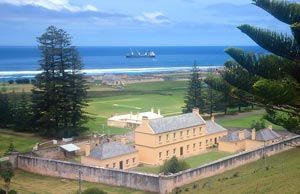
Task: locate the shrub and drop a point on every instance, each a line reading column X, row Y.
column 93, row 191
column 258, row 125
column 12, row 192
column 173, row 166
column 10, row 149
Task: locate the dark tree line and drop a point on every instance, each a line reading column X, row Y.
column 15, row 111
column 56, row 106
column 210, row 95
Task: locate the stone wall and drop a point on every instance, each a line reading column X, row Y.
column 142, row 181
column 168, row 183
column 62, row 169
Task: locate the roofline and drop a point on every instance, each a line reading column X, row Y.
column 113, row 156
column 177, row 129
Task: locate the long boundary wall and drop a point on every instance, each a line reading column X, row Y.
column 144, row 181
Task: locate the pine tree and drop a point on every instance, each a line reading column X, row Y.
column 22, row 116
column 193, row 98
column 59, row 91
column 271, row 80
column 4, row 109
column 228, row 98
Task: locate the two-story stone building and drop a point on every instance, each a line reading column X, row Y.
column 157, row 140
column 184, row 135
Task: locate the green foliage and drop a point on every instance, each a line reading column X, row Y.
column 173, row 166
column 59, row 94
column 21, row 113
column 4, row 109
column 228, row 99
column 258, row 124
column 284, row 11
column 11, row 148
column 93, row 190
column 270, row 80
column 6, row 173
column 288, row 121
column 193, row 98
column 12, row 192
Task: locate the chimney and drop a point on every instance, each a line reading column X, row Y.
column 253, row 134
column 196, row 110
column 145, row 120
column 87, row 149
column 212, row 118
column 270, row 127
column 241, row 135
column 158, row 111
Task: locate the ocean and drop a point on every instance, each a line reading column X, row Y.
column 17, row 61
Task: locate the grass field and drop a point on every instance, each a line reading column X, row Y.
column 27, row 183
column 245, row 122
column 22, row 142
column 282, row 176
column 193, row 161
column 167, row 96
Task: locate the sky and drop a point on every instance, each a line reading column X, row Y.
column 134, row 22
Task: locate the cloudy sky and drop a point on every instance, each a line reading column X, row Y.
column 134, row 22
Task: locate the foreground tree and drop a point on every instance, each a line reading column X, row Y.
column 193, row 97
column 6, row 173
column 59, row 94
column 271, row 80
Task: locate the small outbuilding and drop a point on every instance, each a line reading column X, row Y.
column 69, row 149
column 132, row 121
column 244, row 140
column 111, row 155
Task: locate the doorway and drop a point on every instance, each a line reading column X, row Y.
column 121, row 165
column 181, row 151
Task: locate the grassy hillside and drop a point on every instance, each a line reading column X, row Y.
column 279, row 174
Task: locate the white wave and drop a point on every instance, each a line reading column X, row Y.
column 110, row 71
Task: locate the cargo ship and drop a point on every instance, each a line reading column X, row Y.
column 148, row 54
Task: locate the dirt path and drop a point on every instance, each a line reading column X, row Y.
column 239, row 115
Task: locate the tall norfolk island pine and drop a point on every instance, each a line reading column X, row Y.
column 59, row 94
column 193, row 98
column 271, row 80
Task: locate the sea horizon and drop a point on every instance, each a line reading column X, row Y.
column 22, row 61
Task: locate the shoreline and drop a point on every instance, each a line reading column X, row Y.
column 116, row 71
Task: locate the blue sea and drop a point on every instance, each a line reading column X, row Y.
column 19, row 61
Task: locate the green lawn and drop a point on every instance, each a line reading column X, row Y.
column 245, row 122
column 27, row 183
column 281, row 174
column 167, row 96
column 21, row 143
column 193, row 161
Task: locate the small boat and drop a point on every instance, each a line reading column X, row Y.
column 148, row 54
